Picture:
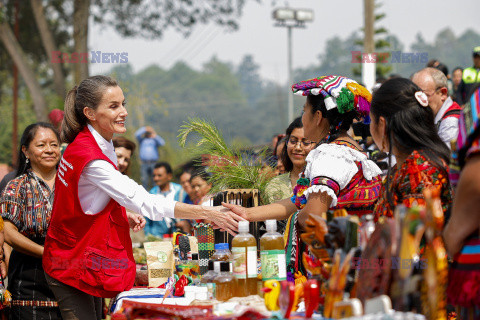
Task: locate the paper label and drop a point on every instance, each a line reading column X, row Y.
column 273, row 265
column 244, row 262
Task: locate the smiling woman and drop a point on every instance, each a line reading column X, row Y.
column 26, row 206
column 89, row 222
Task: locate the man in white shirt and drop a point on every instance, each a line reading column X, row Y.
column 447, row 112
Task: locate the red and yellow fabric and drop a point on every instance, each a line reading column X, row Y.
column 408, row 182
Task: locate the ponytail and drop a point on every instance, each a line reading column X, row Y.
column 88, row 93
column 71, row 125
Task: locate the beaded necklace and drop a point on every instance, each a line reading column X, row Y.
column 45, row 196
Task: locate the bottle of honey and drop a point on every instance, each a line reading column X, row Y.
column 225, row 283
column 244, row 251
column 272, row 254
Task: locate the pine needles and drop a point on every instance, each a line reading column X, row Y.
column 230, row 168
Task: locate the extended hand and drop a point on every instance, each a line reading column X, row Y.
column 137, row 221
column 225, row 219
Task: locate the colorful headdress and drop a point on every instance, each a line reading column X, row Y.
column 340, row 92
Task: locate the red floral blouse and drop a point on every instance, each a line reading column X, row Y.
column 408, row 183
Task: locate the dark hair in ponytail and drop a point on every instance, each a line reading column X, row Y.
column 338, row 121
column 410, row 126
column 27, row 136
column 87, row 94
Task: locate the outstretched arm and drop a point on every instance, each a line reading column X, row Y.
column 278, row 210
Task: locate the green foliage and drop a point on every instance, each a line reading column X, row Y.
column 150, row 19
column 230, row 168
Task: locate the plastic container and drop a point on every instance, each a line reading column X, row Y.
column 225, row 283
column 222, row 253
column 244, row 251
column 209, row 277
column 272, row 254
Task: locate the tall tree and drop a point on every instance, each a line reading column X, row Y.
column 381, row 44
column 19, row 58
column 81, row 10
column 48, row 41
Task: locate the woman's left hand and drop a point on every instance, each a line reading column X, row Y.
column 137, row 221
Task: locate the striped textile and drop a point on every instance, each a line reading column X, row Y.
column 464, row 276
column 34, row 303
column 469, row 123
column 22, row 203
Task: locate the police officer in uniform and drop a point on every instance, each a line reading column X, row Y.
column 470, row 77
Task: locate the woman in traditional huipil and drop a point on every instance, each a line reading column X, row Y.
column 337, row 175
column 26, row 205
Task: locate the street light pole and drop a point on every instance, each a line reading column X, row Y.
column 290, row 80
column 291, row 18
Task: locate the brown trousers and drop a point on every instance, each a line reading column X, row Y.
column 73, row 303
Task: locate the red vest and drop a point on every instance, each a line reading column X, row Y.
column 92, row 253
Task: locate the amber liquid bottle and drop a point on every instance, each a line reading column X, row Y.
column 272, row 254
column 244, row 251
column 225, row 283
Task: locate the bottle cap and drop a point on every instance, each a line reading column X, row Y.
column 221, row 246
column 243, row 226
column 271, row 225
column 224, row 266
column 210, row 265
column 194, row 256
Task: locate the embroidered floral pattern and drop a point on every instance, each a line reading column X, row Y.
column 407, row 184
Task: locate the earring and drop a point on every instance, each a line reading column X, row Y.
column 26, row 162
column 384, row 147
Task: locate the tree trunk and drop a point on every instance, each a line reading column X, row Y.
column 49, row 45
column 81, row 10
column 16, row 53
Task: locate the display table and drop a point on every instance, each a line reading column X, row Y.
column 147, row 295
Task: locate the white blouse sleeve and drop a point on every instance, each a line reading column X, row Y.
column 125, row 191
column 337, row 163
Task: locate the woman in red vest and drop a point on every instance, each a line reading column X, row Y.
column 88, row 251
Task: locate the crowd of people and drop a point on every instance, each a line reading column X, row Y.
column 70, row 200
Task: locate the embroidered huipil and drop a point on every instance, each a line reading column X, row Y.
column 23, row 203
column 408, row 183
column 343, row 172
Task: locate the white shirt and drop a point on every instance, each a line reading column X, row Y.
column 336, row 162
column 100, row 182
column 448, row 129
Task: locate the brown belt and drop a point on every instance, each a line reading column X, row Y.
column 34, row 303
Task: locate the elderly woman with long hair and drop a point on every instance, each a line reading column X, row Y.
column 338, row 174
column 88, row 250
column 26, row 206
